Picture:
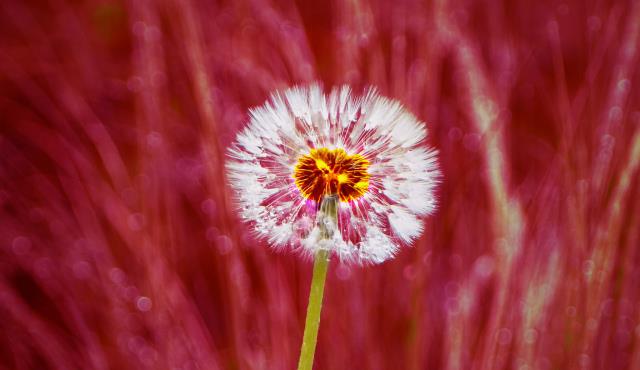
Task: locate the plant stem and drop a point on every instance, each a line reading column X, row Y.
column 327, row 220
column 312, row 323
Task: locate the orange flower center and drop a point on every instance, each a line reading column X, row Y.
column 327, row 172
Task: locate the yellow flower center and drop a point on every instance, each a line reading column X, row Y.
column 331, row 172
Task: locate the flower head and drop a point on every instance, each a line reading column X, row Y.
column 367, row 154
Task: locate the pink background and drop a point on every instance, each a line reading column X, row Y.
column 120, row 249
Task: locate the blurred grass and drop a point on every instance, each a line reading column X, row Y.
column 119, row 247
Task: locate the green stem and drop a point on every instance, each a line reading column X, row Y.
column 312, row 323
column 327, row 221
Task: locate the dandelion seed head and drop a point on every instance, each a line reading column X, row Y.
column 302, row 145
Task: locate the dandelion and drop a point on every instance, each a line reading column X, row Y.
column 302, row 146
column 333, row 175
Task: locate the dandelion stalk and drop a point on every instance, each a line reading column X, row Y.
column 312, row 323
column 327, row 219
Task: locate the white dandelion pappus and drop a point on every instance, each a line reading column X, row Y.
column 369, row 152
